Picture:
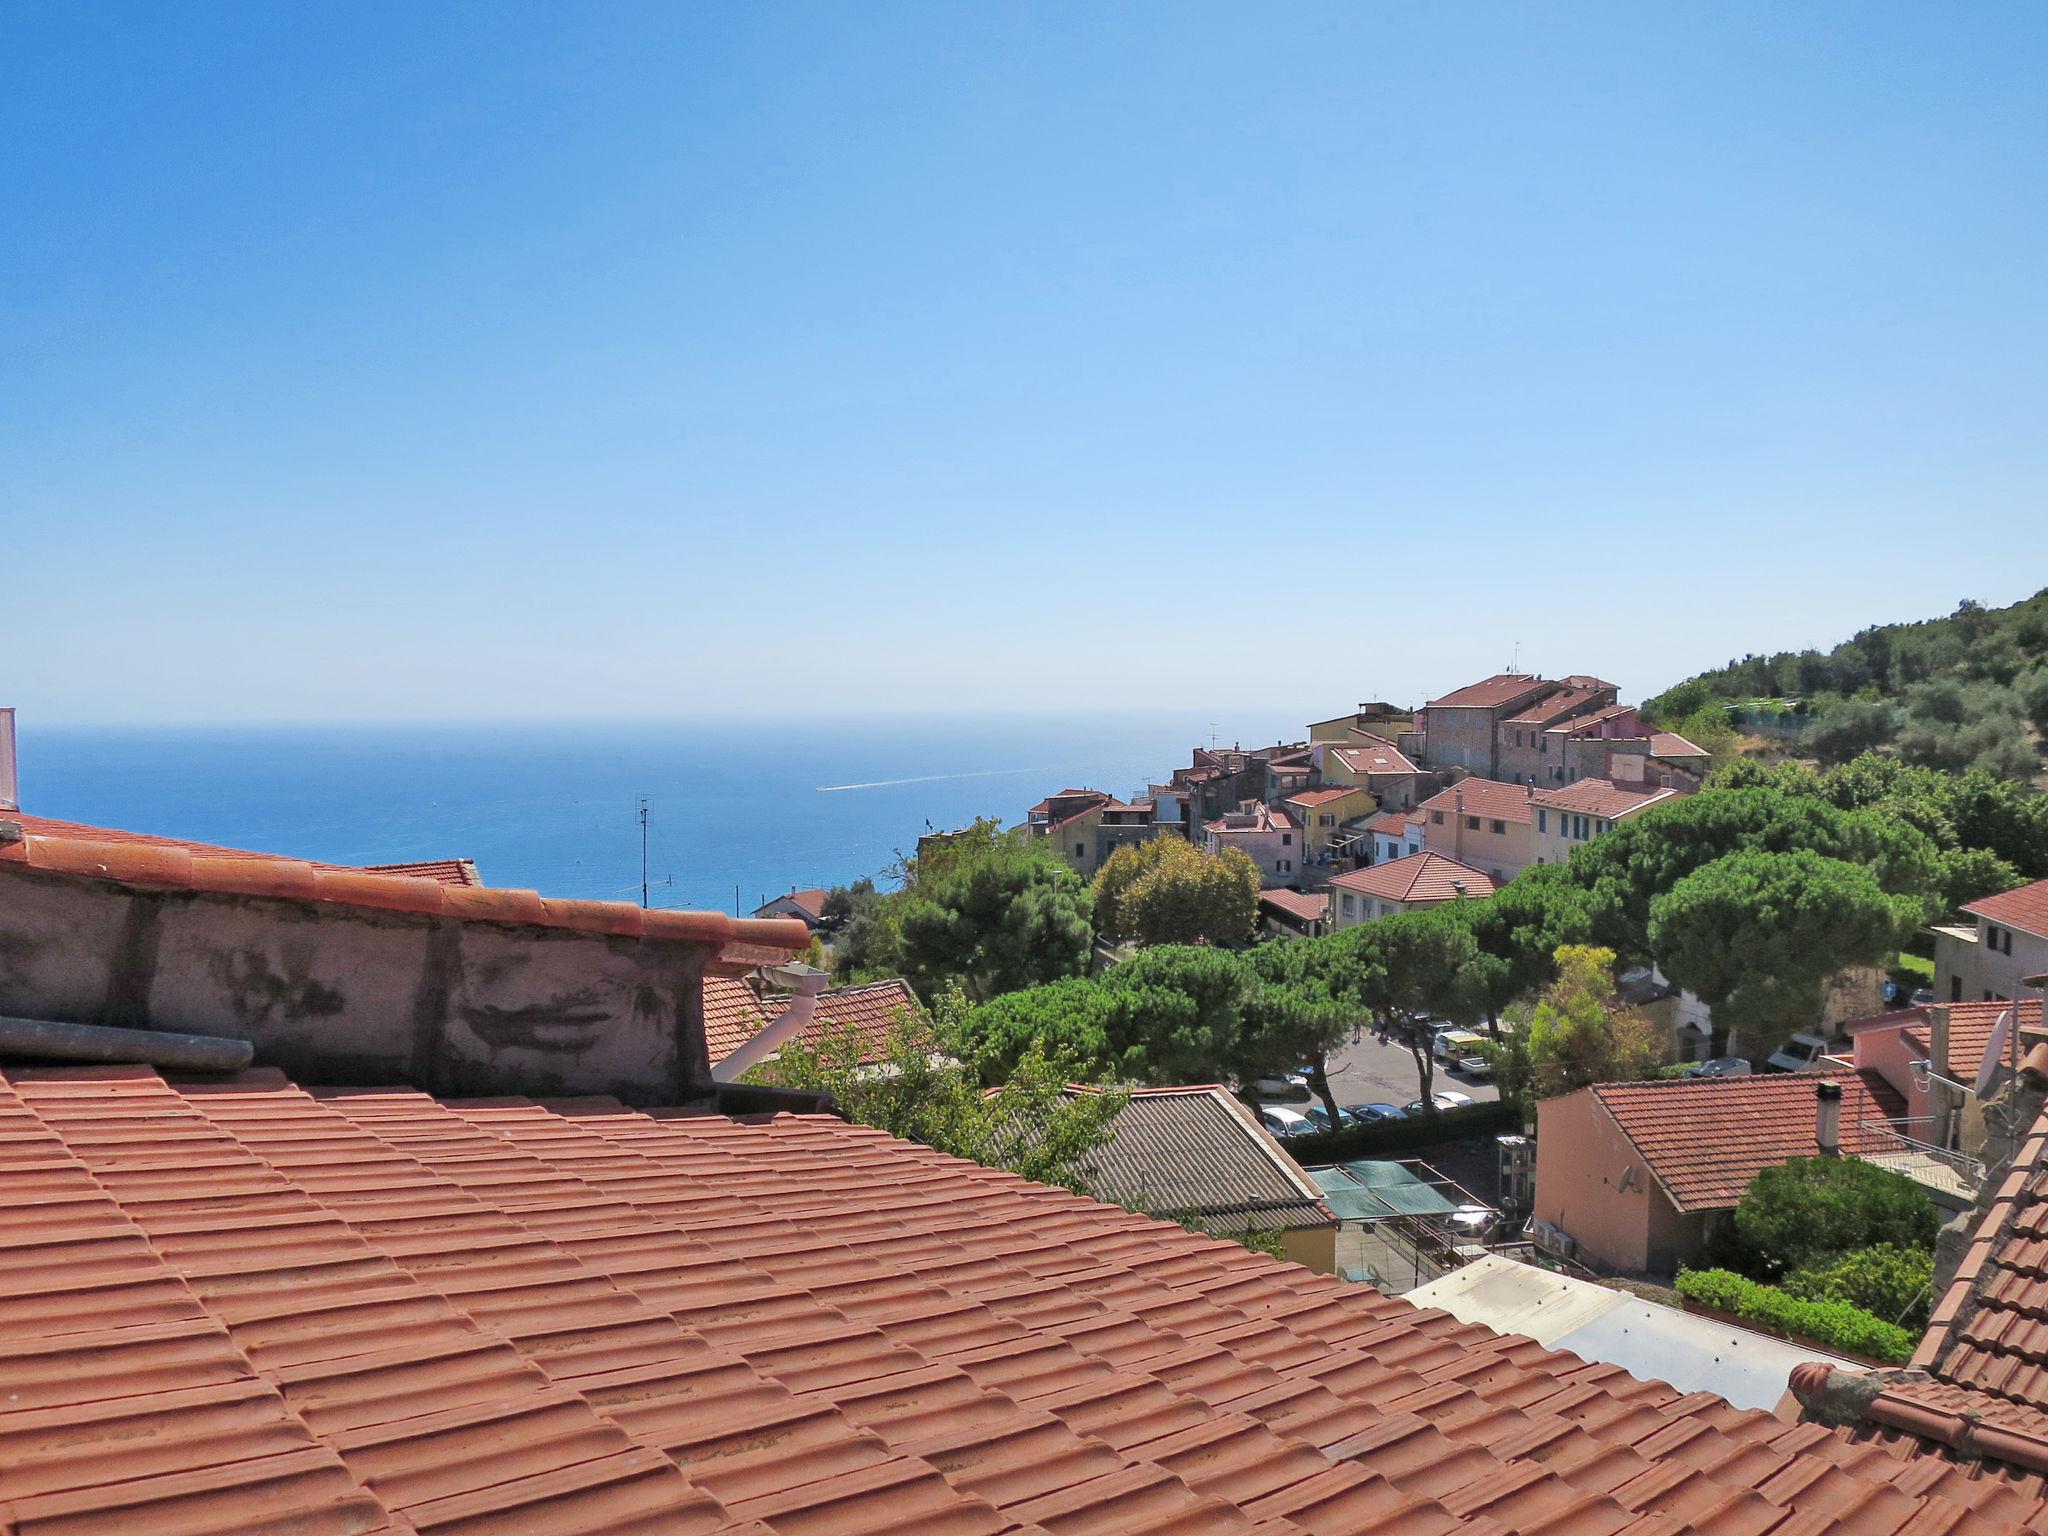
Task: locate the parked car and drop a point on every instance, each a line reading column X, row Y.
column 1720, row 1066
column 1284, row 1122
column 1318, row 1117
column 1286, row 1090
column 1462, row 1051
column 1798, row 1053
column 1472, row 1223
column 1372, row 1114
column 1448, row 1098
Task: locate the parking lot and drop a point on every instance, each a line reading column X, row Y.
column 1371, row 1073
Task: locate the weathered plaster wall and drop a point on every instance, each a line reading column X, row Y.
column 340, row 994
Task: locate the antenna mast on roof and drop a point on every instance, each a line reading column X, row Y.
column 643, row 853
column 1516, row 664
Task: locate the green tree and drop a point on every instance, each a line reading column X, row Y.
column 1401, row 971
column 1580, row 1033
column 1167, row 1015
column 925, row 1092
column 995, row 916
column 1650, row 853
column 1850, row 727
column 1808, row 1210
column 1295, row 1011
column 1166, row 891
column 1518, row 931
column 1887, row 1281
column 1756, row 935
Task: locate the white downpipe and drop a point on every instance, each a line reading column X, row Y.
column 806, row 981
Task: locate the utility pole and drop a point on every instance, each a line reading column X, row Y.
column 643, row 853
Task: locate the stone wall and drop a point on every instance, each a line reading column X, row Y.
column 340, row 994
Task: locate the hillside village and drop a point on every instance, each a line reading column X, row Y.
column 1075, row 1186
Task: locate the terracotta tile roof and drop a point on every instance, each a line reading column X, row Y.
column 1601, row 797
column 1418, row 878
column 1978, row 1384
column 445, row 871
column 1376, row 756
column 1589, row 724
column 1303, row 906
column 1969, row 1030
column 1262, row 818
column 1502, row 689
column 734, row 1013
column 1704, row 1139
column 1196, row 1152
column 244, row 1308
column 810, row 903
column 1555, row 707
column 164, row 865
column 1671, row 744
column 2025, row 909
column 1392, row 823
column 1484, row 797
column 1326, row 795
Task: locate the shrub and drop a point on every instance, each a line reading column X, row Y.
column 1830, row 1324
column 1807, row 1210
column 1409, row 1135
column 1886, row 1280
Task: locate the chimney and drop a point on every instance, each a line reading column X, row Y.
column 10, row 788
column 1827, row 1118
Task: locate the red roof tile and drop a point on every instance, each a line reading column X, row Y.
column 2025, row 908
column 1601, row 797
column 1484, row 797
column 1704, row 1139
column 1555, row 707
column 1970, row 1026
column 1390, row 823
column 1979, row 1381
column 734, row 1013
column 1671, row 744
column 162, row 864
column 1375, row 756
column 1419, row 878
column 1503, row 688
column 1325, row 795
column 242, row 1307
column 443, row 871
column 809, row 903
column 1262, row 818
column 1303, row 906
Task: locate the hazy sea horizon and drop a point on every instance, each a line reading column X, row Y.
column 738, row 810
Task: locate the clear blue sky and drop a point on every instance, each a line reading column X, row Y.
column 447, row 361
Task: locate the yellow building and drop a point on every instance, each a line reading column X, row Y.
column 1325, row 814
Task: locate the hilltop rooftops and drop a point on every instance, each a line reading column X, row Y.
column 1418, row 879
column 1484, row 797
column 1496, row 692
column 1374, row 756
column 1601, row 797
column 1253, row 816
column 1553, row 707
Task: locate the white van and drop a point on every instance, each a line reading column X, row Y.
column 1462, row 1051
column 1797, row 1054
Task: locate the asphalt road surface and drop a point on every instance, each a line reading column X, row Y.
column 1371, row 1073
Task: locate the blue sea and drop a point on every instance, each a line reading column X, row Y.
column 738, row 811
